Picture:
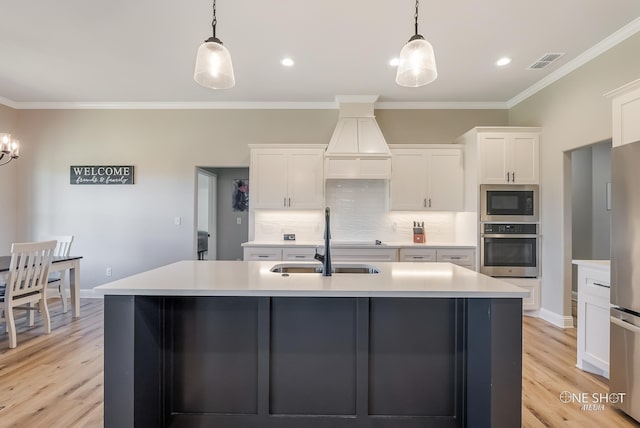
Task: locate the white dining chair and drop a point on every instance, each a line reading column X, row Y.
column 57, row 281
column 26, row 284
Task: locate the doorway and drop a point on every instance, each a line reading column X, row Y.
column 590, row 212
column 222, row 211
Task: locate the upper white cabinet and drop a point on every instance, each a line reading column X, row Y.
column 625, row 106
column 287, row 176
column 509, row 157
column 426, row 178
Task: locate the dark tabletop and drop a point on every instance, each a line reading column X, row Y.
column 5, row 260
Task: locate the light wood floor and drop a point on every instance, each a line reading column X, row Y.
column 57, row 380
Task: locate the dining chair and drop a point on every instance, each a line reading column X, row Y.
column 26, row 284
column 57, row 281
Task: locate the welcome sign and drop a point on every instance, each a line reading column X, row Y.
column 101, row 174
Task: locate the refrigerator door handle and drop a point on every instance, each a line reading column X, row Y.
column 625, row 325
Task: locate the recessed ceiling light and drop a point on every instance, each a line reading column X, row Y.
column 394, row 62
column 287, row 62
column 503, row 61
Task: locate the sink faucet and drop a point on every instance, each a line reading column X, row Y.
column 326, row 258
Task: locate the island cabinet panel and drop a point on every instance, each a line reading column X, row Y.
column 313, row 362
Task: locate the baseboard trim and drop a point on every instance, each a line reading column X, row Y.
column 535, row 313
column 556, row 319
column 88, row 293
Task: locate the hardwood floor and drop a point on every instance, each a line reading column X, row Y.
column 57, row 381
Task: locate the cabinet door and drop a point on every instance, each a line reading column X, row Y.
column 494, row 164
column 445, row 180
column 408, row 180
column 305, row 179
column 268, row 179
column 524, row 149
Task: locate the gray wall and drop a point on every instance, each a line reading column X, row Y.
column 131, row 228
column 573, row 112
column 8, row 175
column 230, row 234
column 601, row 222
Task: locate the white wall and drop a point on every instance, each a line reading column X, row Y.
column 573, row 113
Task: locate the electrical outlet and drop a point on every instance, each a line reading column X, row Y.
column 239, row 220
column 177, row 221
column 289, row 236
column 108, row 272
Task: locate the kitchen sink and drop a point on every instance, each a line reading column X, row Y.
column 314, row 268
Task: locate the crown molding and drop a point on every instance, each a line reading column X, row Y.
column 9, row 103
column 453, row 105
column 619, row 36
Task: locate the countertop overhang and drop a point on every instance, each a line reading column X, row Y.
column 254, row 278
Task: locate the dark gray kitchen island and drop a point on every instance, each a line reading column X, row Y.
column 232, row 344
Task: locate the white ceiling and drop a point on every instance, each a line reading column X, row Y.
column 143, row 51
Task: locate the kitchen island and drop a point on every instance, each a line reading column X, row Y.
column 233, row 344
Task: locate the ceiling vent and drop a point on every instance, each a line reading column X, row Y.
column 544, row 61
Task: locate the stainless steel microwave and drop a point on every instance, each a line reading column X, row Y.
column 509, row 202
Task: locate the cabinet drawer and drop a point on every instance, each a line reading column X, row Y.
column 298, row 253
column 596, row 287
column 364, row 255
column 417, row 255
column 457, row 256
column 262, row 253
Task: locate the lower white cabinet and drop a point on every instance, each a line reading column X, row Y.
column 465, row 257
column 532, row 302
column 593, row 320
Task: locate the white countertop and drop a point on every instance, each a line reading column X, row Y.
column 237, row 278
column 355, row 244
column 604, row 265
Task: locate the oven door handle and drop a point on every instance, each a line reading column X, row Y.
column 506, row 235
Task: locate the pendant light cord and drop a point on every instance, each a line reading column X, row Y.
column 215, row 20
column 415, row 16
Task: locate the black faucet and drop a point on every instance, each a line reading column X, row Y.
column 326, row 258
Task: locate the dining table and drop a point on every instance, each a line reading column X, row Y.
column 59, row 264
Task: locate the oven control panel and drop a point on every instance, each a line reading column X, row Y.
column 512, row 228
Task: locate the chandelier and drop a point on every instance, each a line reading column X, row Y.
column 9, row 149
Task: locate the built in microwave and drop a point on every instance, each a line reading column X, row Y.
column 509, row 202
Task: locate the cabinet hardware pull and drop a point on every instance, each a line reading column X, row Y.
column 455, row 257
column 262, row 256
column 508, row 177
column 429, row 202
column 284, row 203
column 601, row 285
column 424, row 204
column 300, row 257
column 289, row 202
column 513, row 177
column 418, row 257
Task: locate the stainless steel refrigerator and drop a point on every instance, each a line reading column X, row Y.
column 624, row 364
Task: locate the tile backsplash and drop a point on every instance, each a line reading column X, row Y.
column 359, row 212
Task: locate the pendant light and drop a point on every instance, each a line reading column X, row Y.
column 213, row 62
column 417, row 63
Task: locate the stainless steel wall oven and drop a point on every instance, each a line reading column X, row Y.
column 510, row 250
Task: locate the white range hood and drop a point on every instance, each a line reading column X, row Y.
column 357, row 148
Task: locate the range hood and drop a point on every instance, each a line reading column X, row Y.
column 357, row 149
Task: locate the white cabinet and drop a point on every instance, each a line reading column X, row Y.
column 286, row 177
column 465, row 257
column 509, row 157
column 625, row 106
column 593, row 320
column 427, row 179
column 531, row 302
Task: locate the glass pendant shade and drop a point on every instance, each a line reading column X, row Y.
column 417, row 63
column 213, row 66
